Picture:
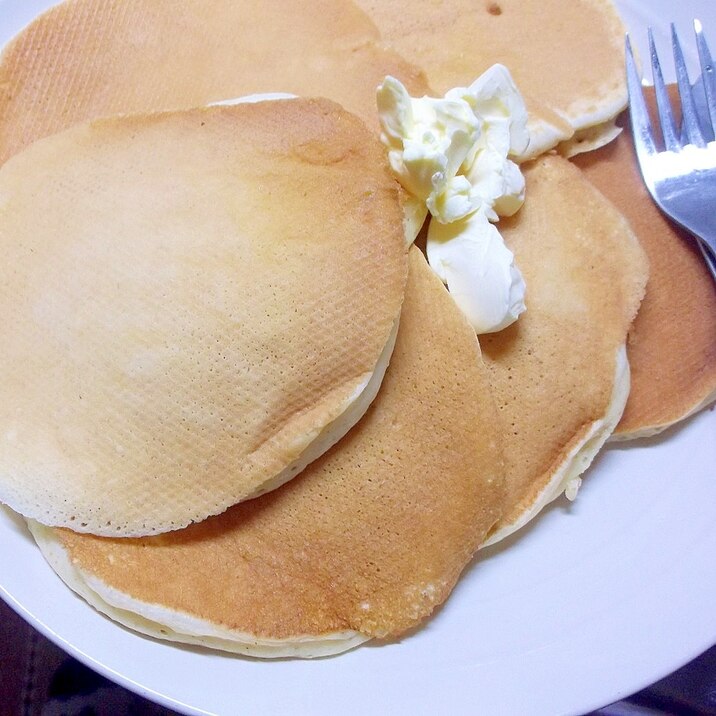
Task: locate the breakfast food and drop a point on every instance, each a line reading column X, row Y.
column 559, row 374
column 365, row 543
column 196, row 304
column 78, row 50
column 85, row 59
column 672, row 344
column 452, row 153
column 565, row 57
column 203, row 302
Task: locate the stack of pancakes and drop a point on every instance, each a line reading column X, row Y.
column 238, row 410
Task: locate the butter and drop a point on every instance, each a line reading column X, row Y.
column 429, row 140
column 470, row 256
column 496, row 180
column 454, row 154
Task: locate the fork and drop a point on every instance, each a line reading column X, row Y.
column 681, row 178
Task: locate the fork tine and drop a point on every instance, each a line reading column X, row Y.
column 640, row 122
column 699, row 93
column 688, row 107
column 663, row 105
column 707, row 73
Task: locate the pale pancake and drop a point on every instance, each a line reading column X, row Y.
column 672, row 344
column 86, row 59
column 567, row 58
column 559, row 373
column 195, row 305
column 366, row 542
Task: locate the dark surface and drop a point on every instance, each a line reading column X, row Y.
column 39, row 679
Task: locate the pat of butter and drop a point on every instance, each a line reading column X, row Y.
column 453, row 154
column 429, row 140
column 470, row 256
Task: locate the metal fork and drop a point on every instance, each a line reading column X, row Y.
column 681, row 178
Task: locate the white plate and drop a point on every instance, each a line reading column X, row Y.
column 592, row 602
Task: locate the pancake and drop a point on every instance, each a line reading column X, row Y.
column 365, row 543
column 672, row 344
column 196, row 304
column 86, row 59
column 559, row 374
column 567, row 58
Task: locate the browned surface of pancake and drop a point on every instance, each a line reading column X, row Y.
column 93, row 58
column 566, row 57
column 372, row 536
column 189, row 298
column 553, row 371
column 672, row 344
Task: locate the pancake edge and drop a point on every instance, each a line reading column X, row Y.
column 588, row 139
column 352, row 411
column 582, row 455
column 650, row 431
column 170, row 625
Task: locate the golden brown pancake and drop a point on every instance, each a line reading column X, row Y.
column 559, row 374
column 195, row 304
column 86, row 59
column 567, row 58
column 365, row 543
column 672, row 344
